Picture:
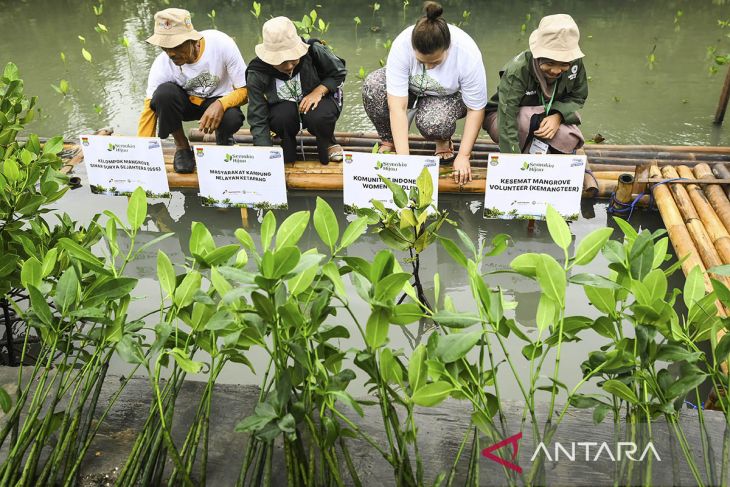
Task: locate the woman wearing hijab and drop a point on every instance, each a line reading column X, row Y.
column 434, row 73
column 535, row 109
column 292, row 85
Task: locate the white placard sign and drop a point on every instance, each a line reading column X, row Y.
column 362, row 184
column 118, row 165
column 240, row 177
column 522, row 185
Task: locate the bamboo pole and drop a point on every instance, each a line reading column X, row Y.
column 196, row 135
column 717, row 197
column 722, row 103
column 624, row 191
column 715, row 229
column 722, row 172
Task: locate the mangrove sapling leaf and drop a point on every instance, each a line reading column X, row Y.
column 642, row 294
column 526, row 264
column 376, row 329
column 166, row 273
column 694, row 287
column 407, row 313
column 186, row 290
column 614, row 252
column 353, row 231
column 547, row 310
column 390, row 368
column 722, row 349
column 620, row 390
column 454, row 251
column 590, row 245
column 245, row 238
column 109, row 288
column 551, row 277
column 595, row 280
column 417, row 369
column 390, row 286
column 660, row 252
column 685, row 384
column 559, row 231
column 671, row 352
column 39, row 306
column 400, row 198
column 68, row 291
column 455, row 320
column 629, row 232
column 641, row 255
column 432, row 394
column 137, row 209
column 291, row 229
column 201, row 241
column 325, row 223
column 302, row 280
column 6, row 402
column 333, row 274
column 31, row 274
column 454, row 346
column 424, row 183
column 281, row 262
column 77, row 252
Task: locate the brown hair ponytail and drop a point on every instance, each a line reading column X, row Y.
column 431, row 32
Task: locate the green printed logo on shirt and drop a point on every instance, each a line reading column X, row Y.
column 423, row 84
column 202, row 85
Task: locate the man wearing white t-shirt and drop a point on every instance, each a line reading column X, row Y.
column 199, row 76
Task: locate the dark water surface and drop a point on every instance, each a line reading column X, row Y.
column 631, row 100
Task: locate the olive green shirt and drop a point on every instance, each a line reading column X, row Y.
column 518, row 87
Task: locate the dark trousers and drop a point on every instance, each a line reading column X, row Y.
column 173, row 107
column 320, row 122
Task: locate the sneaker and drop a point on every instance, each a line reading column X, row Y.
column 184, row 161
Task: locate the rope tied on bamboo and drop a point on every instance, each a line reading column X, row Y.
column 620, row 208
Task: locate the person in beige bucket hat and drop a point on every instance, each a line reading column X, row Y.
column 292, row 85
column 198, row 76
column 540, row 92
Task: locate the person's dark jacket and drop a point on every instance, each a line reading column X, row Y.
column 319, row 66
column 518, row 87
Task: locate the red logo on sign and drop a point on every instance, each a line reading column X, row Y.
column 514, row 440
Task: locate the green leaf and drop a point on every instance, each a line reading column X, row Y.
column 399, row 194
column 113, row 288
column 325, row 222
column 31, row 274
column 353, row 231
column 188, row 287
column 620, row 390
column 347, row 399
column 86, row 54
column 292, row 229
column 201, row 241
column 455, row 320
column 454, row 251
column 656, row 284
column 67, row 290
column 78, row 252
column 526, row 264
column 390, row 370
column 5, row 401
column 376, row 330
column 723, row 349
column 417, row 369
column 603, row 299
column 432, row 394
column 641, row 255
column 626, row 227
column 590, row 245
column 268, row 227
column 405, row 314
column 454, row 346
column 660, row 252
column 390, row 286
column 245, row 239
column 166, row 273
column 40, row 306
column 330, row 270
column 685, row 384
column 558, row 229
column 694, row 287
column 285, row 260
column 53, row 145
column 301, row 282
column 424, row 182
column 183, row 360
column 546, row 312
column 11, row 170
column 551, row 277
column 137, row 208
column 49, row 262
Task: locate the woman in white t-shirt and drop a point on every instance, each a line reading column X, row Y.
column 435, row 70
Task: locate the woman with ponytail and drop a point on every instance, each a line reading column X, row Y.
column 436, row 75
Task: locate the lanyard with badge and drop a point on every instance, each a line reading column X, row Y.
column 538, row 146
